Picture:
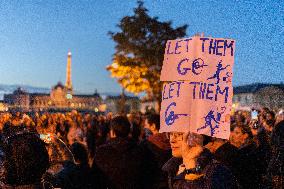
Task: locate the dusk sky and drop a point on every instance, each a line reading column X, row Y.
column 35, row 37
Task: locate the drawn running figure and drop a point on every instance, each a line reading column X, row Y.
column 208, row 121
column 218, row 71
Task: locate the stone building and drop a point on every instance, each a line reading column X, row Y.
column 19, row 99
column 259, row 95
column 122, row 104
column 61, row 97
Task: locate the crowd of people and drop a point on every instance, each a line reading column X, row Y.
column 76, row 150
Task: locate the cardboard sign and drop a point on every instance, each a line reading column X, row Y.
column 195, row 58
column 199, row 98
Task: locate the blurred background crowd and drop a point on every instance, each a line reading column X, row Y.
column 84, row 150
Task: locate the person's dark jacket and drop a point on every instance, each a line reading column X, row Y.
column 248, row 167
column 171, row 168
column 263, row 150
column 157, row 148
column 31, row 186
column 276, row 165
column 91, row 141
column 227, row 154
column 275, row 171
column 122, row 164
column 213, row 174
column 74, row 176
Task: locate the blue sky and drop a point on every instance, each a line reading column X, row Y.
column 35, row 37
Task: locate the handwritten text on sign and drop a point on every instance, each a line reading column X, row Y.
column 199, row 98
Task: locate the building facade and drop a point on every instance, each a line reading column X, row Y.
column 259, row 95
column 122, row 104
column 61, row 97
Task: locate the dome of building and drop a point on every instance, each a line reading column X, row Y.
column 59, row 85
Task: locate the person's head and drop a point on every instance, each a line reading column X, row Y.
column 135, row 131
column 152, row 122
column 270, row 115
column 277, row 137
column 18, row 115
column 79, row 152
column 279, row 116
column 254, row 127
column 176, row 141
column 264, row 110
column 270, row 119
column 232, row 126
column 131, row 117
column 214, row 143
column 240, row 119
column 119, row 127
column 240, row 135
column 261, row 118
column 25, row 158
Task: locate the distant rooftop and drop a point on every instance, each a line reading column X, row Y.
column 252, row 88
column 119, row 97
column 59, row 85
column 87, row 95
column 20, row 91
column 39, row 94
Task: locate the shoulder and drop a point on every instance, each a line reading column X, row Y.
column 171, row 166
column 221, row 176
column 105, row 148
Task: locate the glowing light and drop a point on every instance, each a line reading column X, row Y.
column 114, row 65
column 103, row 107
column 69, row 96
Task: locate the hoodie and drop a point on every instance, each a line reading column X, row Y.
column 121, row 163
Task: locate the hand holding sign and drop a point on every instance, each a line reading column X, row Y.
column 191, row 152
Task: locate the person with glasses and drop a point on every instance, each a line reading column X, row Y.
column 193, row 166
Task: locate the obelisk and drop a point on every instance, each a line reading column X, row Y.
column 68, row 83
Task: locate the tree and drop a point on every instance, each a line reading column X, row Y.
column 140, row 45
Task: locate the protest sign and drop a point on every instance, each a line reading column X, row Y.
column 198, row 96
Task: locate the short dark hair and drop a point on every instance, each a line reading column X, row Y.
column 245, row 130
column 154, row 119
column 120, row 126
column 271, row 113
column 233, row 126
column 80, row 152
column 277, row 137
column 26, row 159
